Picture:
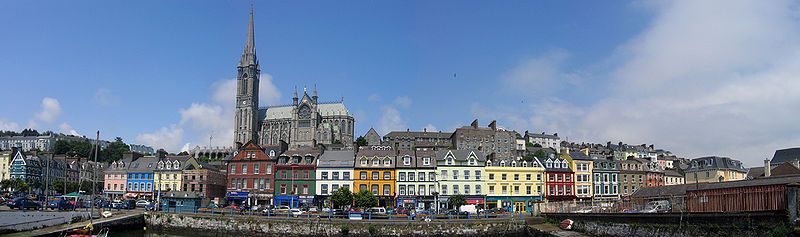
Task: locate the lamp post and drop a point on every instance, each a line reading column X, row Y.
column 436, row 201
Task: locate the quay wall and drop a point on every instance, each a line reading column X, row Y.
column 13, row 221
column 218, row 225
column 676, row 224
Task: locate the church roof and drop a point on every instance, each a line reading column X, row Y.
column 285, row 111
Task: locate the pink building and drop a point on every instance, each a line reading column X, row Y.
column 116, row 176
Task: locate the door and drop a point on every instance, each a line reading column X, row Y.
column 519, row 207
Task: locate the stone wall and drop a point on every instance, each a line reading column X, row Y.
column 12, row 221
column 658, row 225
column 218, row 225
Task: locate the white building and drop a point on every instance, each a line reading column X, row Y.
column 416, row 179
column 334, row 171
column 461, row 172
column 544, row 140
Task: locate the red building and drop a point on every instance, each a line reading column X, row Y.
column 560, row 180
column 654, row 174
column 251, row 174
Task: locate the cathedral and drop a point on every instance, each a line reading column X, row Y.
column 305, row 122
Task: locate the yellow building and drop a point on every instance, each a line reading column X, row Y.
column 169, row 173
column 374, row 172
column 514, row 184
column 582, row 164
column 714, row 169
column 5, row 165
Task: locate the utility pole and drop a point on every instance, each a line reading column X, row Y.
column 94, row 171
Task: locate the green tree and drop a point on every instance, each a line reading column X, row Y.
column 528, row 157
column 540, row 154
column 456, row 201
column 361, row 141
column 20, row 185
column 183, row 153
column 162, row 153
column 6, row 184
column 342, row 197
column 115, row 150
column 365, row 199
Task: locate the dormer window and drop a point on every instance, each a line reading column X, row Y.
column 272, row 153
column 514, row 164
column 406, row 160
column 524, row 164
column 387, row 162
column 363, row 161
column 375, row 162
column 449, row 161
column 489, row 163
column 472, row 161
column 548, row 163
column 502, row 163
column 160, row 165
column 176, row 164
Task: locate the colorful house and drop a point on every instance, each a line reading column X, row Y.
column 169, row 173
column 334, row 171
column 560, row 184
column 606, row 179
column 140, row 177
column 514, row 184
column 180, row 201
column 251, row 175
column 295, row 182
column 581, row 163
column 375, row 167
column 461, row 172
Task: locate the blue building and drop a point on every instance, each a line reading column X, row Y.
column 177, row 201
column 140, row 177
column 25, row 167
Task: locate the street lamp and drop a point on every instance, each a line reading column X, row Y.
column 436, row 201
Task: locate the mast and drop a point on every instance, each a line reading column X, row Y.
column 94, row 173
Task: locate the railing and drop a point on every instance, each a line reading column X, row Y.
column 344, row 215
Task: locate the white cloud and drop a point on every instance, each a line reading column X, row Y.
column 541, row 74
column 168, row 138
column 51, row 109
column 214, row 119
column 402, row 101
column 105, row 97
column 430, row 128
column 65, row 128
column 8, row 125
column 374, row 98
column 391, row 120
column 704, row 78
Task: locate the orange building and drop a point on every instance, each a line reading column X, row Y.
column 374, row 172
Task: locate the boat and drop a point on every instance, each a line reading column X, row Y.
column 86, row 231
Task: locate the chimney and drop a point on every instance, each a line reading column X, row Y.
column 585, row 151
column 555, row 134
column 424, row 129
column 796, row 163
column 474, row 123
column 565, row 150
column 493, row 125
column 767, row 168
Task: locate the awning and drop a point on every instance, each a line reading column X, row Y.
column 475, row 201
column 237, row 195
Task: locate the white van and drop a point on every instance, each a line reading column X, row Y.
column 377, row 210
column 471, row 209
column 657, row 207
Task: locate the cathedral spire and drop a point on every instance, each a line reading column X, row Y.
column 249, row 51
column 314, row 96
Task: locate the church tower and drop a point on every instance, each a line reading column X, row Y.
column 248, row 70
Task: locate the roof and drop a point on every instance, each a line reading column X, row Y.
column 372, row 151
column 559, row 168
column 144, row 164
column 285, row 111
column 461, row 155
column 424, row 134
column 181, row 194
column 784, row 169
column 343, row 158
column 785, row 155
column 542, row 135
column 577, row 155
column 715, row 163
column 661, row 191
column 302, row 151
column 772, row 180
column 672, row 173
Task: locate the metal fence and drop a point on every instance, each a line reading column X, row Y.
column 645, row 205
column 345, row 215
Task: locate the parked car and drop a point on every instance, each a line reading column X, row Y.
column 657, row 207
column 281, row 209
column 584, row 210
column 295, row 212
column 142, row 203
column 24, row 203
column 128, row 204
column 65, row 205
column 376, row 210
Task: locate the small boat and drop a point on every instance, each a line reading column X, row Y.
column 86, row 231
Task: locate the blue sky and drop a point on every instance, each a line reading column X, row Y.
column 155, row 72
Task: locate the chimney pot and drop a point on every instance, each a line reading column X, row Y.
column 767, row 168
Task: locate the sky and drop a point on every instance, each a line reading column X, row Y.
column 695, row 77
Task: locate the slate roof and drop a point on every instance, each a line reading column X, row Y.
column 715, row 163
column 785, row 155
column 143, row 164
column 784, row 169
column 461, row 155
column 370, row 152
column 343, row 158
column 577, row 155
column 772, row 180
column 672, row 173
column 181, row 194
column 413, row 134
column 540, row 135
column 285, row 111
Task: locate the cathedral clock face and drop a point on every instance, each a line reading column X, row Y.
column 244, row 102
column 305, row 112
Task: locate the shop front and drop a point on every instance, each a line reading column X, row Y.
column 260, row 199
column 290, row 201
column 406, row 202
column 236, row 198
column 513, row 204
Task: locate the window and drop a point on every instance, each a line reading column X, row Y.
column 387, row 162
column 376, row 162
column 568, row 178
column 362, row 187
column 527, row 176
column 491, row 189
column 233, row 169
column 410, row 176
column 324, row 175
column 491, row 176
column 363, row 175
column 401, row 176
column 402, row 189
column 444, row 173
column 504, row 189
column 269, row 169
column 406, row 160
column 455, row 174
column 363, row 161
column 516, row 189
column 466, row 189
column 334, row 187
column 466, row 174
column 387, row 190
column 426, row 161
column 478, row 174
column 374, row 175
column 244, row 168
column 305, row 189
column 455, row 189
column 255, row 169
column 503, row 177
column 422, row 190
column 387, row 175
column 478, row 189
column 335, row 175
column 516, row 176
column 324, row 189
column 444, row 189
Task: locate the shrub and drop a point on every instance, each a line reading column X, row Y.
column 344, row 230
column 372, row 230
